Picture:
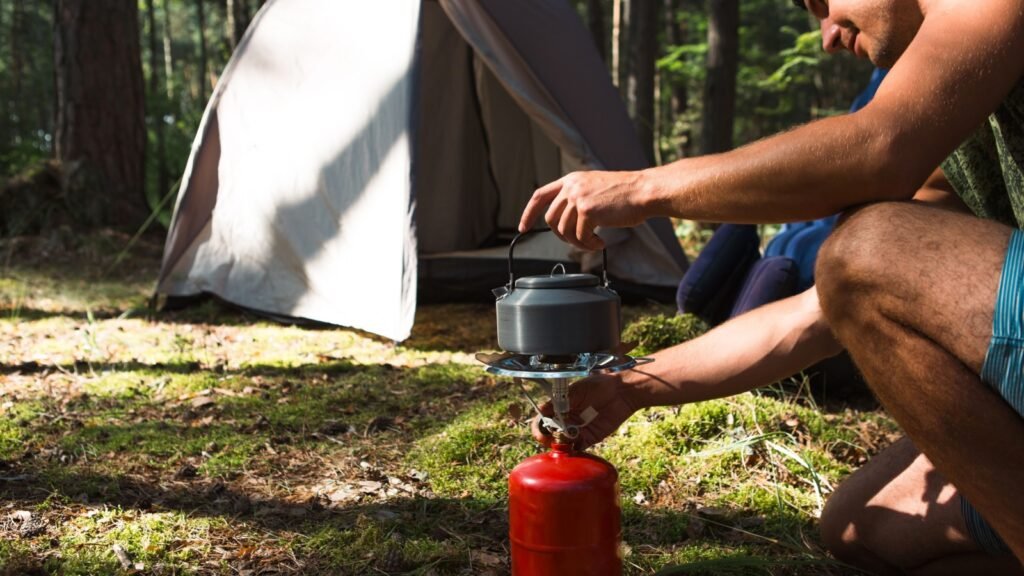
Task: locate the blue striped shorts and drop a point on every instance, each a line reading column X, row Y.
column 1002, row 367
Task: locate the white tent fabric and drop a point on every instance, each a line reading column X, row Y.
column 346, row 141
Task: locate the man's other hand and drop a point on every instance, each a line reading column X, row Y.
column 605, row 393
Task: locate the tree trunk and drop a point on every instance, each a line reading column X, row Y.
column 168, row 55
column 235, row 22
column 201, row 16
column 156, row 106
column 720, row 90
column 595, row 19
column 640, row 85
column 17, row 67
column 101, row 128
column 245, row 16
column 41, row 70
column 230, row 26
column 625, row 37
column 5, row 111
column 616, row 40
column 679, row 101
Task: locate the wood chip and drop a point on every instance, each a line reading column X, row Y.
column 122, row 556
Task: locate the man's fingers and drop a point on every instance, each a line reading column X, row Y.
column 585, row 440
column 567, row 227
column 586, row 235
column 538, row 202
column 554, row 215
column 538, row 432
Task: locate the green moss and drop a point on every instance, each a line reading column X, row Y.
column 161, row 444
column 40, row 291
column 170, row 538
column 654, row 527
column 719, row 559
column 369, row 543
column 16, row 431
column 16, row 558
column 119, row 415
column 474, row 454
column 657, row 332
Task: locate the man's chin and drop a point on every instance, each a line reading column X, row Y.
column 883, row 58
column 881, row 61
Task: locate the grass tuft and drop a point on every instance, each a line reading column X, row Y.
column 657, row 332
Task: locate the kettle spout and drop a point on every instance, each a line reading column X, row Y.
column 500, row 292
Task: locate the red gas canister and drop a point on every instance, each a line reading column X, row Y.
column 564, row 515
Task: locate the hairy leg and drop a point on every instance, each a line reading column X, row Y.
column 910, row 290
column 899, row 514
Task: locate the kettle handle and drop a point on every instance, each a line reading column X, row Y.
column 512, row 247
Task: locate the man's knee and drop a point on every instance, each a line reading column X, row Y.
column 859, row 534
column 838, row 528
column 857, row 256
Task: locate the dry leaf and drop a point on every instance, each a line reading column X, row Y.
column 200, row 401
column 369, row 486
column 515, row 411
column 343, row 494
column 487, row 558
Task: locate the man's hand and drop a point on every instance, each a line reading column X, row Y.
column 605, row 393
column 580, row 201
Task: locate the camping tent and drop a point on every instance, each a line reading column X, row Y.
column 354, row 154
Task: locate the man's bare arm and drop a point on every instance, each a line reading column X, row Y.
column 752, row 350
column 963, row 62
column 937, row 191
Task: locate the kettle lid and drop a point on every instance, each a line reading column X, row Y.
column 555, row 281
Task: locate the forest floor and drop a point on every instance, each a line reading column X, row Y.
column 208, row 441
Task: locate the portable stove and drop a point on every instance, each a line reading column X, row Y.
column 564, row 515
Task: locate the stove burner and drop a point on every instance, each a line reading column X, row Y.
column 546, row 367
column 553, row 360
column 555, row 373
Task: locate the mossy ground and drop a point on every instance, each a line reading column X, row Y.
column 207, row 441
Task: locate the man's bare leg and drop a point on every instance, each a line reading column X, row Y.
column 910, row 291
column 898, row 514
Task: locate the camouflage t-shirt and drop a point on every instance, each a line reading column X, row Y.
column 987, row 170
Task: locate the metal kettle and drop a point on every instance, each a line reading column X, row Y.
column 557, row 314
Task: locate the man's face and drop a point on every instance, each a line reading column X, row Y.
column 879, row 30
